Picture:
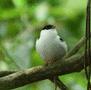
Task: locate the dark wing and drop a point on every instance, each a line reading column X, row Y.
column 61, row 39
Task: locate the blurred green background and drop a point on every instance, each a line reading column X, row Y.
column 20, row 25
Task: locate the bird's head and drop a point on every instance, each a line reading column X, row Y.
column 48, row 27
column 48, row 30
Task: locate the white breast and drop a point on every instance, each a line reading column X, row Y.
column 49, row 46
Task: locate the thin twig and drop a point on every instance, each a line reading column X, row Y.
column 77, row 47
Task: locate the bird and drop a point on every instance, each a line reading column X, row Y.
column 51, row 48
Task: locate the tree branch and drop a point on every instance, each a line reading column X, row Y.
column 77, row 47
column 21, row 78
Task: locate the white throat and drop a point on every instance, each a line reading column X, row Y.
column 48, row 33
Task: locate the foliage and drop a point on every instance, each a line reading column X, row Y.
column 20, row 24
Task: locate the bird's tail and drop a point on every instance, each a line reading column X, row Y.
column 58, row 83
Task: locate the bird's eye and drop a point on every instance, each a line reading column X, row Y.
column 61, row 39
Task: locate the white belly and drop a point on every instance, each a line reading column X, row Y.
column 50, row 49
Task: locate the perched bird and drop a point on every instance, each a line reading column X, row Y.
column 51, row 48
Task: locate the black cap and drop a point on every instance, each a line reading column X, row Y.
column 47, row 27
